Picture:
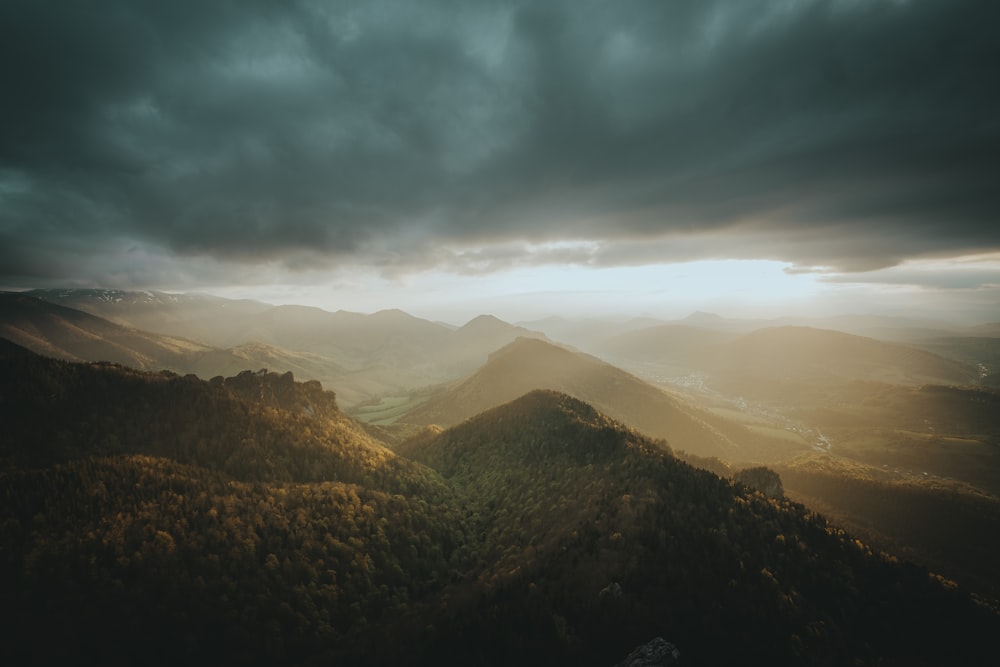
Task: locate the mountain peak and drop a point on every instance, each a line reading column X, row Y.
column 550, row 400
column 280, row 390
column 702, row 316
column 523, row 345
column 393, row 314
column 539, row 427
column 487, row 332
column 484, row 321
column 526, row 364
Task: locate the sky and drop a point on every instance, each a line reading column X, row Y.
column 524, row 158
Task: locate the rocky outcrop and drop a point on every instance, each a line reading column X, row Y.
column 282, row 391
column 763, row 479
column 656, row 653
column 612, row 591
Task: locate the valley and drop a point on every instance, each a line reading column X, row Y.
column 487, row 482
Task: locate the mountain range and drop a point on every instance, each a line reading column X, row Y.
column 362, row 355
column 794, row 353
column 588, row 333
column 528, row 364
column 72, row 334
column 922, row 414
column 168, row 519
column 786, row 353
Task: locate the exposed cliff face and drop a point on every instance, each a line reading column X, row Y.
column 280, row 390
column 762, row 479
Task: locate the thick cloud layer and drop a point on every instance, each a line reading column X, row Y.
column 844, row 133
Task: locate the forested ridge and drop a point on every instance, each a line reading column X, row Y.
column 678, row 551
column 156, row 519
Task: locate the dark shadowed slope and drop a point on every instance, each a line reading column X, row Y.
column 951, row 527
column 163, row 520
column 251, row 426
column 528, row 364
column 74, row 335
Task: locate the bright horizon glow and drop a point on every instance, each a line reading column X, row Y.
column 500, row 160
column 732, row 288
column 738, row 287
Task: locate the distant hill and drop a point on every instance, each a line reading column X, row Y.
column 390, row 337
column 388, row 351
column 208, row 319
column 528, row 364
column 471, row 344
column 227, row 323
column 787, row 357
column 487, row 330
column 584, row 333
column 414, row 350
column 980, row 352
column 790, row 350
column 384, row 353
column 591, row 334
column 991, row 330
column 77, row 336
column 882, row 327
column 735, row 325
column 677, row 344
column 65, row 333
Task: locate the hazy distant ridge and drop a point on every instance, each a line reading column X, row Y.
column 529, row 364
column 364, row 355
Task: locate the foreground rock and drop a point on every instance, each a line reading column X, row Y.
column 656, row 653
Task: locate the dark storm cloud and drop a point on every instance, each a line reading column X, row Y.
column 851, row 134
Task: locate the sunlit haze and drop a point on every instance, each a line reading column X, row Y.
column 950, row 289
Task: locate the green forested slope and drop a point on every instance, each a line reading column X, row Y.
column 159, row 519
column 162, row 520
column 140, row 560
column 568, row 503
column 254, row 426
